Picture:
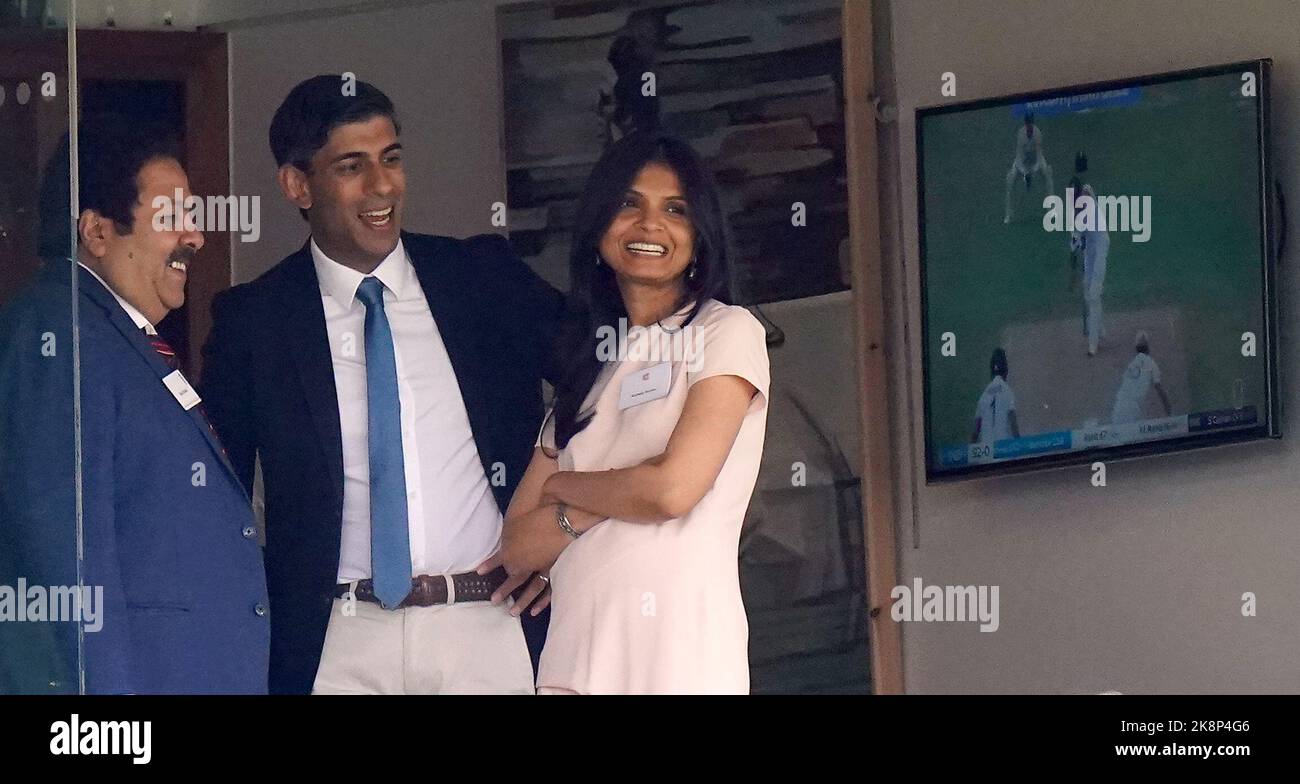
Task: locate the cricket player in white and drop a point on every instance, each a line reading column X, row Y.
column 995, row 413
column 1028, row 160
column 1141, row 375
column 1094, row 241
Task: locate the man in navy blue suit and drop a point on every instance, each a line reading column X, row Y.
column 390, row 384
column 170, row 547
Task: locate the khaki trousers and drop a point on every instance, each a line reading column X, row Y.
column 463, row 648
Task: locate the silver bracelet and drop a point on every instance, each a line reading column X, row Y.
column 563, row 520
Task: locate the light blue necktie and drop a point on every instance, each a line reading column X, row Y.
column 390, row 545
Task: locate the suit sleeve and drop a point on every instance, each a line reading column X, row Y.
column 540, row 304
column 226, row 384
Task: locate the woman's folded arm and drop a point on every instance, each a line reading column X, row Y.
column 668, row 485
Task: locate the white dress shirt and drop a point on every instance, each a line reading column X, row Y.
column 131, row 310
column 453, row 518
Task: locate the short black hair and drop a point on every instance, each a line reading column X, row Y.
column 316, row 106
column 998, row 363
column 111, row 151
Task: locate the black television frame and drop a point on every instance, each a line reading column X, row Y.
column 1268, row 428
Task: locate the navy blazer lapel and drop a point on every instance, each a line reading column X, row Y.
column 93, row 290
column 307, row 341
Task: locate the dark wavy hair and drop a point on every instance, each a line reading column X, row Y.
column 594, row 299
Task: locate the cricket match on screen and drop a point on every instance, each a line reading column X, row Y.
column 1095, row 270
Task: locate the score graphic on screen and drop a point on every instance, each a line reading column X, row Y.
column 1103, row 254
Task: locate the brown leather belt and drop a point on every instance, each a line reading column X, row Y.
column 429, row 590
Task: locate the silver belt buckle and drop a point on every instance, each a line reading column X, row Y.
column 451, row 589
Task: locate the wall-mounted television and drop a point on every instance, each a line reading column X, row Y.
column 1097, row 271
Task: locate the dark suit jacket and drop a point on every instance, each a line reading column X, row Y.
column 167, row 527
column 268, row 382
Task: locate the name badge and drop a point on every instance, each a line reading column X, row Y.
column 181, row 390
column 642, row 386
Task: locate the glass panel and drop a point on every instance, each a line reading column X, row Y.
column 42, row 612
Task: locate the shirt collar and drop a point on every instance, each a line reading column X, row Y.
column 340, row 282
column 131, row 310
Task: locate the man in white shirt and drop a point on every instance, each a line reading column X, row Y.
column 1140, row 377
column 389, row 382
column 995, row 413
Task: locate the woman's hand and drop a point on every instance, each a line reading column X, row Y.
column 530, row 544
column 535, row 596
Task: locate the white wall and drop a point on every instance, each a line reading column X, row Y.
column 438, row 63
column 1135, row 586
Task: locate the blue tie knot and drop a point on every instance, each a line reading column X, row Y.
column 371, row 292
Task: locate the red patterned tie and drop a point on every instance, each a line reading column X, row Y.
column 164, row 350
column 169, row 357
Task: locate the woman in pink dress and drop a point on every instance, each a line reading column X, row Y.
column 627, row 521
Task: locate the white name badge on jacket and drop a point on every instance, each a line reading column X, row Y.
column 181, row 390
column 642, row 386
